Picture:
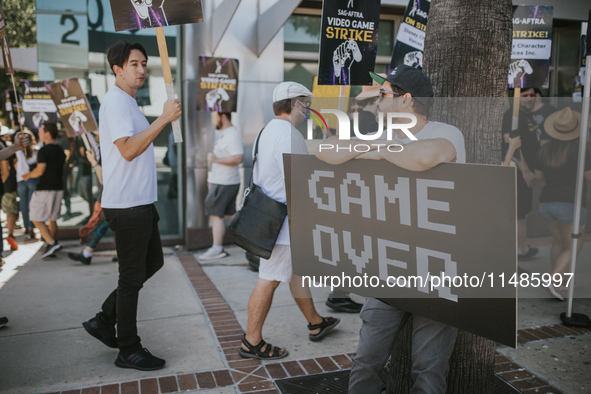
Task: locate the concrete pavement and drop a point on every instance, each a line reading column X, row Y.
column 45, row 349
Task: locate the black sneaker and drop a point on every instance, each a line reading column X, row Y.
column 3, row 321
column 346, row 305
column 142, row 360
column 530, row 253
column 80, row 257
column 51, row 249
column 104, row 334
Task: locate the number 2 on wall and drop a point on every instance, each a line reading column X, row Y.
column 65, row 39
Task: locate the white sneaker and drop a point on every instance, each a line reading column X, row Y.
column 212, row 254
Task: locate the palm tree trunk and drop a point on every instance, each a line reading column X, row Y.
column 467, row 54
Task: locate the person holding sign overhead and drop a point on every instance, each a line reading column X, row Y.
column 130, row 190
column 405, row 90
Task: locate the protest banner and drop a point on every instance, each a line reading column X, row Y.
column 11, row 107
column 74, row 109
column 38, row 107
column 9, row 70
column 5, row 48
column 218, row 84
column 532, row 44
column 408, row 48
column 584, row 54
column 440, row 243
column 348, row 41
column 143, row 14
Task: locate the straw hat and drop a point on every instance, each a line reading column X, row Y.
column 370, row 91
column 563, row 125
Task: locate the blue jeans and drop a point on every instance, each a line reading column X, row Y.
column 564, row 212
column 25, row 191
column 432, row 344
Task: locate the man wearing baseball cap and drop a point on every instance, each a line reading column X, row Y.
column 405, row 90
column 290, row 100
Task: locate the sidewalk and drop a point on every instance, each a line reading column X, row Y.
column 193, row 316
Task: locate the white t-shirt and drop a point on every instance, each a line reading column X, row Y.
column 451, row 133
column 228, row 143
column 277, row 138
column 22, row 164
column 126, row 184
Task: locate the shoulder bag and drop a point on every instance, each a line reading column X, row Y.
column 256, row 226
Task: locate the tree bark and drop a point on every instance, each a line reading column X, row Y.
column 466, row 56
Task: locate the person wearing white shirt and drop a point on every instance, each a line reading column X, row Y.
column 223, row 181
column 26, row 160
column 290, row 100
column 130, row 190
column 405, row 90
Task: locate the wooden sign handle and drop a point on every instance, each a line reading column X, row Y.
column 176, row 125
column 515, row 120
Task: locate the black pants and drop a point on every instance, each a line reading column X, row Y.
column 139, row 250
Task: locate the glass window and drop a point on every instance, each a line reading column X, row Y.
column 96, row 79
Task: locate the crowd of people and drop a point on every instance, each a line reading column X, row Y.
column 543, row 145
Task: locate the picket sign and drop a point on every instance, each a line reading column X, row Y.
column 176, row 125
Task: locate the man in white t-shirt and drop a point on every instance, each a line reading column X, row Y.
column 130, row 190
column 290, row 100
column 223, row 181
column 406, row 90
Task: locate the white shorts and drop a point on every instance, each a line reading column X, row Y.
column 45, row 205
column 278, row 267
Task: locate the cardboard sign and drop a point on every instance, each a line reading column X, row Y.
column 532, row 44
column 38, row 107
column 218, row 84
column 408, row 48
column 372, row 221
column 583, row 53
column 11, row 107
column 143, row 14
column 5, row 48
column 72, row 106
column 348, row 41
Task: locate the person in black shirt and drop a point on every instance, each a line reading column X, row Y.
column 525, row 158
column 557, row 165
column 539, row 113
column 46, row 200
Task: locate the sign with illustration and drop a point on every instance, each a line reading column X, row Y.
column 409, row 238
column 73, row 107
column 408, row 48
column 348, row 41
column 218, row 84
column 5, row 48
column 532, row 44
column 142, row 14
column 38, row 107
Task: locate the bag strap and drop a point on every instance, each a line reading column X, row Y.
column 254, row 159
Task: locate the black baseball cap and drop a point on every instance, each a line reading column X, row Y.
column 411, row 80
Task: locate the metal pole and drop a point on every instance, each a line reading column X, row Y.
column 579, row 190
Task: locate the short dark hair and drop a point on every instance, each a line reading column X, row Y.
column 50, row 128
column 418, row 107
column 118, row 53
column 227, row 115
column 282, row 107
